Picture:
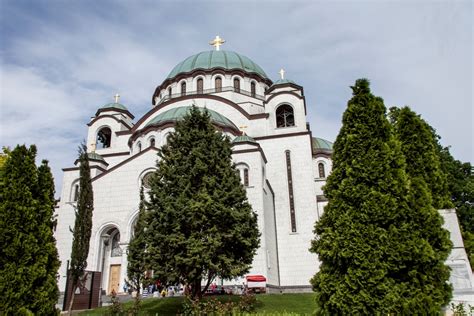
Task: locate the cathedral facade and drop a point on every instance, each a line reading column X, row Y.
column 282, row 165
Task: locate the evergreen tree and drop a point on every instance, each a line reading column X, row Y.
column 201, row 225
column 46, row 290
column 28, row 258
column 449, row 181
column 82, row 225
column 136, row 251
column 419, row 146
column 461, row 187
column 372, row 260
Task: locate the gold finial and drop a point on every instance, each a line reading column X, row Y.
column 217, row 42
column 282, row 73
column 117, row 97
column 242, row 128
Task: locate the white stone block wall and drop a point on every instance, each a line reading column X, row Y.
column 297, row 264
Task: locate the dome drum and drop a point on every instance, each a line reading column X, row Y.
column 166, row 97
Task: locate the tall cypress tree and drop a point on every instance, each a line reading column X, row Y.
column 82, row 225
column 201, row 225
column 136, row 250
column 428, row 192
column 372, row 260
column 28, row 258
column 46, row 290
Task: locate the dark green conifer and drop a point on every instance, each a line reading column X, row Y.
column 200, row 223
column 28, row 259
column 46, row 290
column 372, row 259
column 136, row 251
column 461, row 187
column 83, row 223
column 428, row 191
column 419, row 146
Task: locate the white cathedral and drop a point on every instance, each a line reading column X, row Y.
column 282, row 165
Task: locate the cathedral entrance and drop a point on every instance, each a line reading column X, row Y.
column 114, row 278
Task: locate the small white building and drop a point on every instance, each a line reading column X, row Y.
column 282, row 165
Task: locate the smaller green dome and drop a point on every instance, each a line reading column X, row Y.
column 283, row 81
column 243, row 139
column 176, row 114
column 115, row 106
column 95, row 156
column 321, row 144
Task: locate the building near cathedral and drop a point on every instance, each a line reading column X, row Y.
column 283, row 166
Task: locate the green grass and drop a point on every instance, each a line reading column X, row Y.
column 302, row 304
column 269, row 304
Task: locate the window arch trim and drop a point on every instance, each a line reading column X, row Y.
column 321, row 170
column 183, row 86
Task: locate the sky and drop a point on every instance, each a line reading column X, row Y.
column 62, row 60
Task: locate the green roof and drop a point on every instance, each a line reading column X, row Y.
column 115, row 105
column 283, row 81
column 178, row 113
column 321, row 144
column 95, row 156
column 243, row 139
column 217, row 59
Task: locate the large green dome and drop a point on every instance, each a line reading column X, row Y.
column 176, row 114
column 217, row 59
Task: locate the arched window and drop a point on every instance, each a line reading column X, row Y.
column 246, row 177
column 322, row 172
column 236, row 85
column 252, row 89
column 290, row 191
column 285, row 116
column 75, row 196
column 103, row 138
column 169, row 92
column 146, row 180
column 183, row 88
column 139, row 147
column 152, row 142
column 200, row 86
column 218, row 82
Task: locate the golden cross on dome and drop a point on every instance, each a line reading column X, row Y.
column 217, row 42
column 282, row 73
column 242, row 128
column 117, row 97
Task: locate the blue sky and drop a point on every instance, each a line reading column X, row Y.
column 61, row 60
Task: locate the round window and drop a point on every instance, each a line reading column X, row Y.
column 146, row 180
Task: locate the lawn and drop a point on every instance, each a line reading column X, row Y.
column 269, row 304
